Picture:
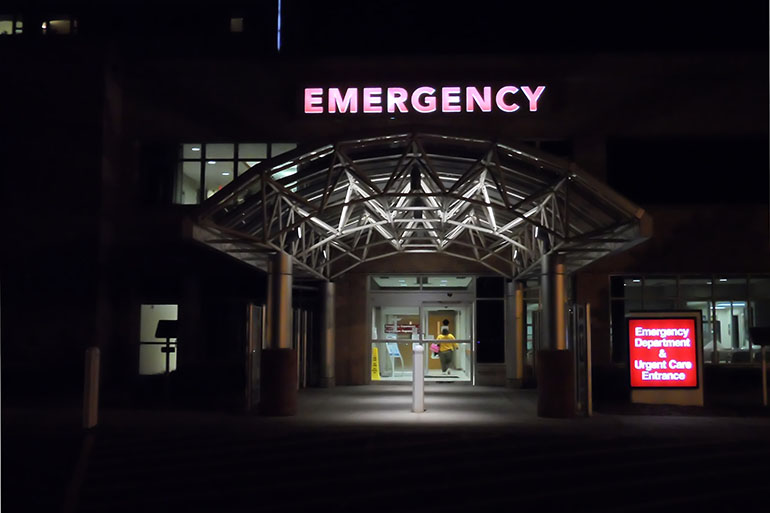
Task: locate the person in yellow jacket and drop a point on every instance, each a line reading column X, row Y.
column 446, row 350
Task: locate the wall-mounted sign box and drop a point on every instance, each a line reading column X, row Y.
column 665, row 351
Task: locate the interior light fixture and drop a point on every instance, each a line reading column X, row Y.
column 212, row 162
column 722, row 279
column 637, row 281
column 299, row 231
column 196, row 148
column 225, row 173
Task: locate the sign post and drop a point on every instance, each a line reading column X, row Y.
column 665, row 357
column 418, row 380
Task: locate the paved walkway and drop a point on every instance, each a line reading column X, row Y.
column 361, row 448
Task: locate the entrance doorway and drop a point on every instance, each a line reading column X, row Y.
column 402, row 316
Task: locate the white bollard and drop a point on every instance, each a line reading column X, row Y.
column 418, row 379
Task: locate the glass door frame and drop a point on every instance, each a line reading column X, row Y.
column 471, row 307
column 419, row 299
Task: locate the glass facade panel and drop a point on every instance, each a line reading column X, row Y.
column 693, row 288
column 395, row 282
column 6, row 26
column 759, row 287
column 726, row 287
column 188, row 183
column 279, row 148
column 633, row 288
column 732, row 331
column 218, row 174
column 724, row 302
column 252, row 151
column 220, row 151
column 221, row 166
column 446, row 282
column 192, row 151
column 656, row 289
column 244, row 166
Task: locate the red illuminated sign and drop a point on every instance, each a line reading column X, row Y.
column 663, row 352
column 423, row 100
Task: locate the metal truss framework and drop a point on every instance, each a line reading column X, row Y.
column 359, row 200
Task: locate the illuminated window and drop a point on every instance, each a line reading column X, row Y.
column 729, row 306
column 204, row 169
column 236, row 24
column 157, row 350
column 62, row 26
column 10, row 25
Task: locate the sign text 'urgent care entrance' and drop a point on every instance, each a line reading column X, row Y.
column 423, row 100
column 663, row 352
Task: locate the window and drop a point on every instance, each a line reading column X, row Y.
column 729, row 306
column 10, row 25
column 60, row 25
column 204, row 169
column 236, row 24
column 157, row 355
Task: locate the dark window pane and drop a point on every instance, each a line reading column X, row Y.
column 693, row 288
column 616, row 286
column 490, row 286
column 489, row 332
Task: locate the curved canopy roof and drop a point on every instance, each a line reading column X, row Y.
column 338, row 205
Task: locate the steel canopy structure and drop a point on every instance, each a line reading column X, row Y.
column 335, row 206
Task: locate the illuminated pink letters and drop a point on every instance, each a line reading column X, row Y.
column 314, row 100
column 500, row 99
column 450, row 99
column 484, row 101
column 423, row 100
column 430, row 100
column 336, row 101
column 532, row 97
column 397, row 97
column 372, row 100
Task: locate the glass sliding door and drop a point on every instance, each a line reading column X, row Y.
column 455, row 359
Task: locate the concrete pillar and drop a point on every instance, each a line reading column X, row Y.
column 278, row 395
column 555, row 366
column 327, row 336
column 553, row 303
column 514, row 334
column 279, row 312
